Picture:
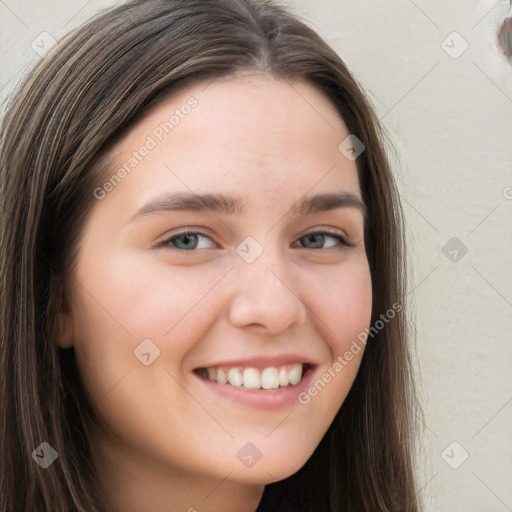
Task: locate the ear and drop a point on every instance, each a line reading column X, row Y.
column 65, row 334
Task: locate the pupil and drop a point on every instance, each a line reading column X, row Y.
column 187, row 239
column 319, row 239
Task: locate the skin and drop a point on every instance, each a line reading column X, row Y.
column 168, row 442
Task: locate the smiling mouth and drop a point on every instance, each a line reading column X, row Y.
column 268, row 378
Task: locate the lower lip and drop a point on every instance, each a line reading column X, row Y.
column 262, row 398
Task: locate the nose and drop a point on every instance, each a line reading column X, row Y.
column 265, row 294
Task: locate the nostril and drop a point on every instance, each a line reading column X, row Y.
column 505, row 37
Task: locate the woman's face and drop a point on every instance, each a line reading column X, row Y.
column 249, row 295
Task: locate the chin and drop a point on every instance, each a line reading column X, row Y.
column 277, row 465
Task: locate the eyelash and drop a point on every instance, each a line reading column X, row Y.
column 168, row 241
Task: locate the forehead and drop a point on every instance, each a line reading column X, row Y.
column 250, row 133
column 244, row 108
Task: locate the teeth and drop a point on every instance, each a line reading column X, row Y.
column 270, row 378
column 283, row 377
column 295, row 374
column 222, row 378
column 235, row 377
column 253, row 378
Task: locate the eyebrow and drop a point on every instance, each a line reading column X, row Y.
column 230, row 205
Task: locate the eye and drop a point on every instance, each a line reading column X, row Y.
column 190, row 240
column 187, row 241
column 318, row 238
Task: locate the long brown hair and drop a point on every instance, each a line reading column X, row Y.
column 56, row 130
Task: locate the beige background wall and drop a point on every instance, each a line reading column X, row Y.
column 448, row 110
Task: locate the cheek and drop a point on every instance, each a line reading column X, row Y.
column 119, row 302
column 346, row 313
column 346, row 306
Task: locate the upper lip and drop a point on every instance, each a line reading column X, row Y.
column 262, row 362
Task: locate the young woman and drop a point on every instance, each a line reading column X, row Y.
column 202, row 278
